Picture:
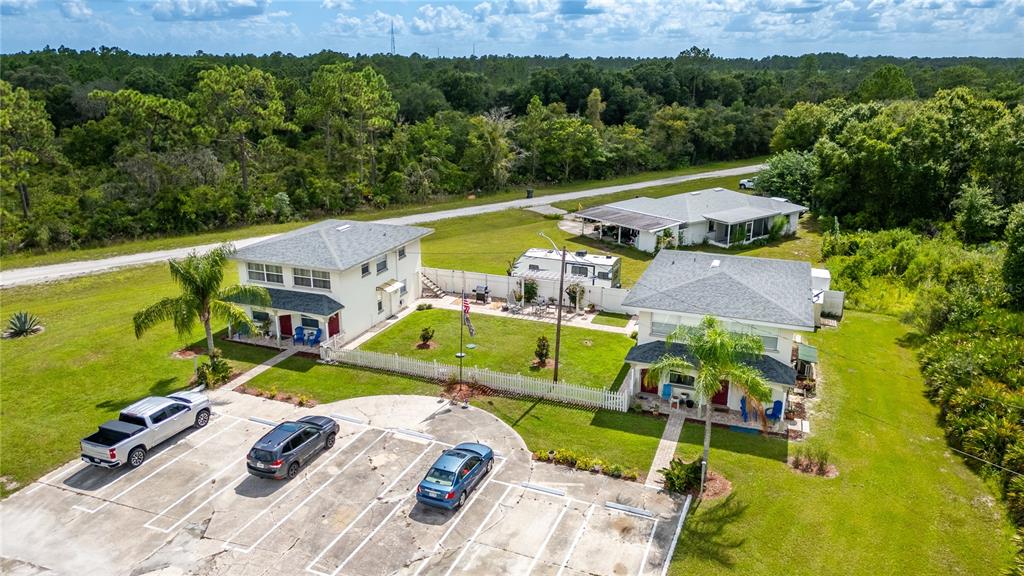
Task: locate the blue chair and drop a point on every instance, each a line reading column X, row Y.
column 775, row 413
column 666, row 392
column 314, row 339
column 299, row 337
column 743, row 408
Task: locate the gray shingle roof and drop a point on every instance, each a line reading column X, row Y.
column 693, row 206
column 627, row 218
column 650, row 352
column 756, row 289
column 741, row 214
column 304, row 302
column 331, row 244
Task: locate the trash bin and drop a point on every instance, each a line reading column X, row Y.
column 529, row 192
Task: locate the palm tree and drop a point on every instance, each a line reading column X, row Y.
column 719, row 355
column 200, row 277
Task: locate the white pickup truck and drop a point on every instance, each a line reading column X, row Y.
column 142, row 426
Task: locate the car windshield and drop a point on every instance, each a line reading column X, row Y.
column 439, row 476
column 262, row 455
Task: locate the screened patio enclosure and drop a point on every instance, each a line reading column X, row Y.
column 738, row 225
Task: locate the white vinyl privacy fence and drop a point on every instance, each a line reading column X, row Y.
column 511, row 384
column 458, row 281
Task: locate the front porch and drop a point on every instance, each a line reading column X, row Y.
column 294, row 320
column 732, row 419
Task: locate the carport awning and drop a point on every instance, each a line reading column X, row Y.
column 737, row 215
column 302, row 302
column 627, row 218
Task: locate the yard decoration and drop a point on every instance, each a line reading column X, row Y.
column 22, row 324
column 200, row 277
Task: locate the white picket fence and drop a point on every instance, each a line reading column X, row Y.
column 514, row 384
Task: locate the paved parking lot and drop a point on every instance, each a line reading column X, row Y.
column 193, row 509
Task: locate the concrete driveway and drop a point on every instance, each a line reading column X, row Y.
column 193, row 509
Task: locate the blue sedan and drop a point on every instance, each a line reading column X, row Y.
column 454, row 475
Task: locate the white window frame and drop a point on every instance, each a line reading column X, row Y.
column 577, row 270
column 263, row 272
column 401, row 253
column 382, row 260
column 365, row 269
column 380, row 302
column 310, row 278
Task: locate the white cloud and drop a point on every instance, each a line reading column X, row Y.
column 336, row 4
column 16, row 7
column 444, row 19
column 369, row 26
column 75, row 10
column 198, row 10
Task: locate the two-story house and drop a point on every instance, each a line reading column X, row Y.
column 765, row 297
column 340, row 276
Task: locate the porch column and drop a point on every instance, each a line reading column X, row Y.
column 229, row 330
column 728, row 234
column 277, row 328
column 620, row 235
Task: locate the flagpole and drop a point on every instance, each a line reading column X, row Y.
column 462, row 329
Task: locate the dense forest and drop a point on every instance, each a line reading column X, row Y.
column 102, row 145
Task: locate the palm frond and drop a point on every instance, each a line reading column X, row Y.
column 245, row 294
column 664, row 365
column 234, row 314
column 751, row 381
column 178, row 310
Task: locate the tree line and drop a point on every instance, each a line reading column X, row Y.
column 103, row 144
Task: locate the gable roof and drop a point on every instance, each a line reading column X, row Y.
column 296, row 301
column 656, row 213
column 651, row 352
column 763, row 290
column 331, row 244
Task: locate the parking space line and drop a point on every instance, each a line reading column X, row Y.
column 479, row 529
column 189, row 493
column 153, row 473
column 547, row 538
column 576, row 540
column 647, row 549
column 675, row 537
column 461, row 514
column 380, row 495
column 56, row 474
column 306, row 499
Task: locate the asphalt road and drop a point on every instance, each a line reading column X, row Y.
column 39, row 274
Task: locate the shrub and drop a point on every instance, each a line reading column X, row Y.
column 631, row 474
column 584, row 463
column 614, row 470
column 634, row 334
column 426, row 335
column 540, row 455
column 424, row 306
column 1013, row 263
column 680, row 476
column 566, row 457
column 530, row 289
column 22, row 324
column 543, row 351
column 304, row 400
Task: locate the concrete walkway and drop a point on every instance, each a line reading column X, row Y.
column 666, row 448
column 257, row 370
column 39, row 274
column 455, row 303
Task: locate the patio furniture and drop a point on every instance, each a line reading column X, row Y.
column 300, row 335
column 666, row 392
column 314, row 339
column 743, row 408
column 775, row 412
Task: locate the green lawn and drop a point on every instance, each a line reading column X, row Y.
column 902, row 504
column 301, row 375
column 22, row 260
column 87, row 365
column 588, row 357
column 611, row 319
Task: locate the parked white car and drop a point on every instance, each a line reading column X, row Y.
column 747, row 184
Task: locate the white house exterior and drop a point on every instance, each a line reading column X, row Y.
column 715, row 215
column 761, row 296
column 340, row 276
column 580, row 267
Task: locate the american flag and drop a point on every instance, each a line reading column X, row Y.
column 465, row 315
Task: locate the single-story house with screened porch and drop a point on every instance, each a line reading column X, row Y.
column 717, row 216
column 335, row 278
column 766, row 297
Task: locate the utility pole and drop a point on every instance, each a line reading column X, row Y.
column 392, row 36
column 558, row 322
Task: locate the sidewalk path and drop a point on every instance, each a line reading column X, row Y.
column 257, row 370
column 39, row 274
column 666, row 448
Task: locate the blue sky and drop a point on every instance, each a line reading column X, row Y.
column 552, row 27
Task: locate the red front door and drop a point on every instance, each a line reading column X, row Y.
column 722, row 397
column 332, row 325
column 650, row 388
column 286, row 326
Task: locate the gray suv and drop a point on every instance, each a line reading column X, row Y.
column 283, row 450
